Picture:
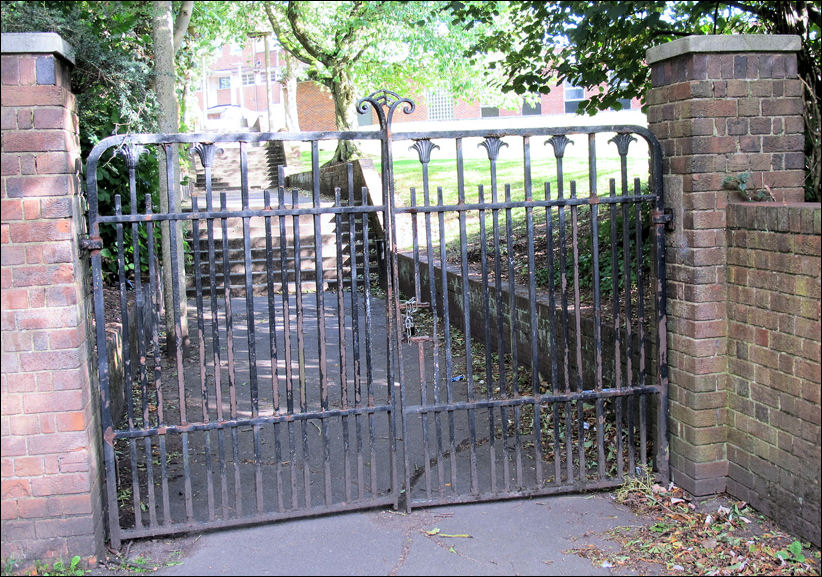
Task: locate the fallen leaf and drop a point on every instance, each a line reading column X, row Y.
column 434, row 531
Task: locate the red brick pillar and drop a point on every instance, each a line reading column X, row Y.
column 50, row 482
column 721, row 106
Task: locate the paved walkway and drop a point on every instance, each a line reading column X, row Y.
column 515, row 537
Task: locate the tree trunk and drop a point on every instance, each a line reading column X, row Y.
column 345, row 113
column 165, row 80
column 289, row 83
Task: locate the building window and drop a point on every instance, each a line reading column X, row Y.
column 625, row 102
column 440, row 106
column 573, row 96
column 236, row 48
column 488, row 111
column 224, row 82
column 249, row 78
column 530, row 110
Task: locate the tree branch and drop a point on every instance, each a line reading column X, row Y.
column 313, row 49
column 762, row 12
column 285, row 40
column 181, row 23
column 349, row 38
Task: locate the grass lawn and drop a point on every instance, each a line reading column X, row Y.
column 442, row 171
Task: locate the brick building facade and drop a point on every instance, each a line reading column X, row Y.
column 236, row 80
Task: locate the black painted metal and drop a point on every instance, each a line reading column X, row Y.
column 293, row 383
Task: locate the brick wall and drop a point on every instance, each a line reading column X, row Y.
column 774, row 361
column 743, row 352
column 316, row 107
column 50, row 483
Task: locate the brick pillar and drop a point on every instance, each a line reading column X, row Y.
column 50, row 483
column 720, row 105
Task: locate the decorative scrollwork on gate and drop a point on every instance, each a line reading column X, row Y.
column 385, row 99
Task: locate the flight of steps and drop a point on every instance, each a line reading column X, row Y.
column 262, row 171
column 225, row 171
column 258, row 259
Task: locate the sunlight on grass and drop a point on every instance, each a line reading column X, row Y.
column 442, row 170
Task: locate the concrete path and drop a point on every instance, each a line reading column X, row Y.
column 515, row 537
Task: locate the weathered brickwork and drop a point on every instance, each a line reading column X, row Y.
column 743, row 279
column 774, row 361
column 50, row 485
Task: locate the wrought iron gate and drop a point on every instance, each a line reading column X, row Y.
column 318, row 389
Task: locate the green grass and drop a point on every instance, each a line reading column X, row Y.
column 442, row 170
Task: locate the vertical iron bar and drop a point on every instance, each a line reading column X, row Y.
column 617, row 329
column 251, row 337
column 355, row 323
column 153, row 290
column 289, row 383
column 640, row 283
column 594, row 215
column 321, row 339
column 121, row 273
column 342, row 339
column 272, row 312
column 532, row 311
column 446, row 326
column 467, row 318
column 232, row 390
column 198, row 286
column 298, row 291
column 420, row 349
column 578, row 330
column 552, row 323
column 215, row 345
column 369, row 370
column 432, row 286
column 486, row 300
column 229, row 323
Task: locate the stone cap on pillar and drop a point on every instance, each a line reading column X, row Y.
column 36, row 43
column 724, row 43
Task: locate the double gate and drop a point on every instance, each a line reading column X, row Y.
column 408, row 348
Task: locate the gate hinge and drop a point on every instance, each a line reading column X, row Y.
column 91, row 243
column 665, row 217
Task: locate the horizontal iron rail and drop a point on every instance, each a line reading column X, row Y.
column 539, row 131
column 214, row 214
column 198, row 526
column 582, row 200
column 235, row 423
column 546, row 489
column 531, row 400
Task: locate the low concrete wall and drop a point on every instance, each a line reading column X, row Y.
column 479, row 318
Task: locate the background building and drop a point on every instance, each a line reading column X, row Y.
column 233, row 95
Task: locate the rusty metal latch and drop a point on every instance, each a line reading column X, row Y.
column 665, row 217
column 91, row 243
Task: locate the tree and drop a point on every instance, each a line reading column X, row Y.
column 595, row 44
column 355, row 47
column 167, row 35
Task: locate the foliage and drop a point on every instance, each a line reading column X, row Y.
column 694, row 539
column 602, row 44
column 112, row 79
column 739, row 182
column 358, row 47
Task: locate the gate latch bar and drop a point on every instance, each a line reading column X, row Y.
column 91, row 243
column 665, row 217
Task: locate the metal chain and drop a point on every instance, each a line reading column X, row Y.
column 408, row 320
